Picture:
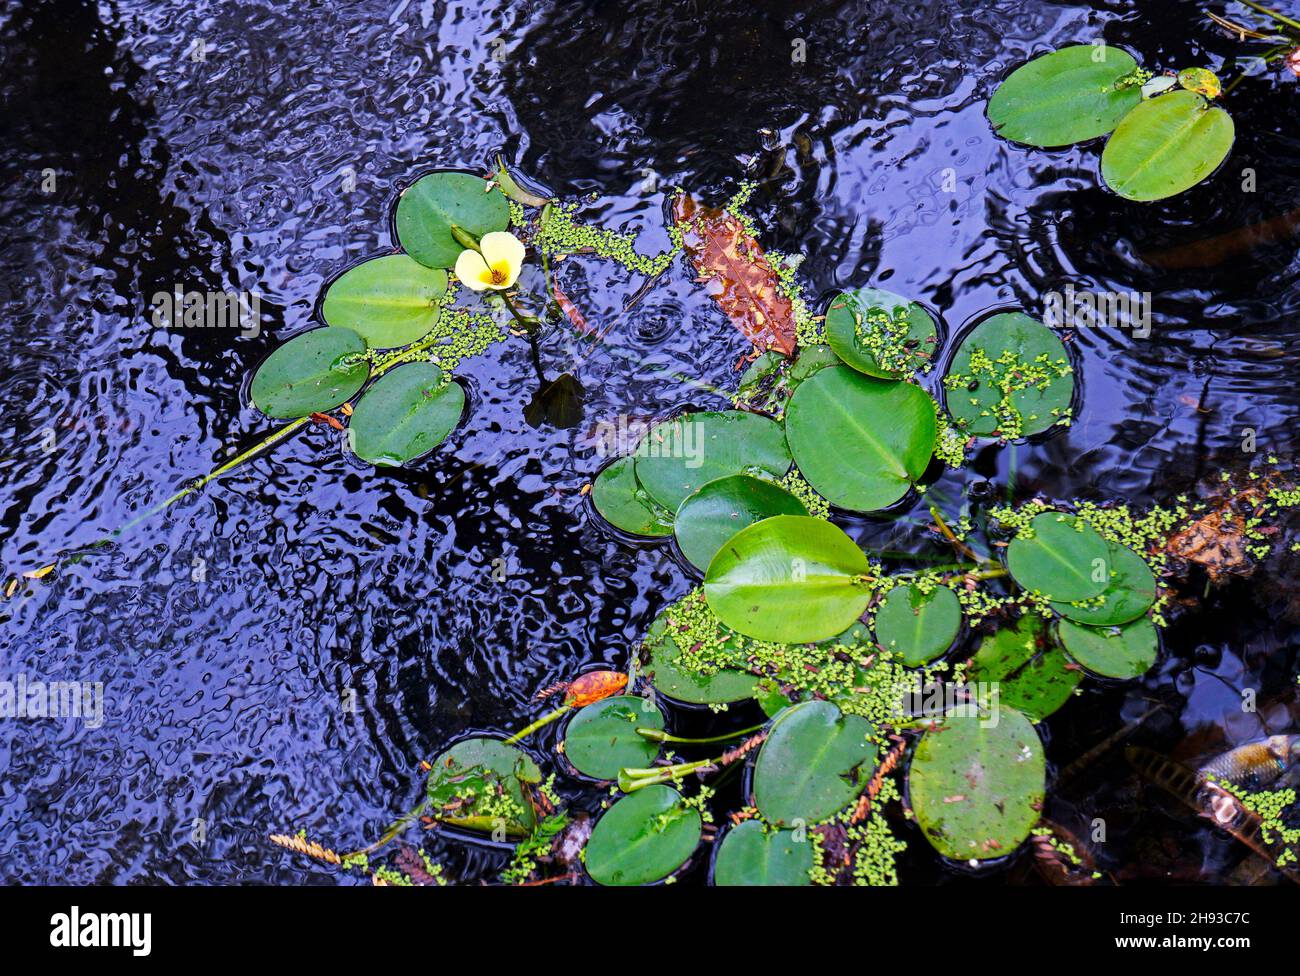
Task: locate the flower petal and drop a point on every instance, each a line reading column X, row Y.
column 500, row 247
column 470, row 268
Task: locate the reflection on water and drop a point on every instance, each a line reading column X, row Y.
column 234, row 147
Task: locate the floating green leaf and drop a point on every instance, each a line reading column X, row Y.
column 917, row 626
column 310, row 373
column 430, row 206
column 405, row 415
column 677, row 458
column 1032, row 674
column 642, row 838
column 754, row 855
column 860, row 442
column 602, row 739
column 814, row 762
column 1165, row 146
column 481, row 783
column 720, row 509
column 881, row 334
column 720, row 688
column 1200, row 80
column 790, row 578
column 976, row 784
column 624, row 504
column 1060, row 557
column 1128, row 595
column 388, row 301
column 1112, row 652
column 1076, row 93
column 1010, row 378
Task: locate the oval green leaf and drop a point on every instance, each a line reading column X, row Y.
column 677, row 458
column 1128, row 595
column 479, row 782
column 1112, row 652
column 624, row 504
column 860, row 442
column 601, row 738
column 1032, row 673
column 388, row 301
column 881, row 334
column 311, row 373
column 753, row 855
column 976, row 785
column 1166, row 145
column 1010, row 377
column 1060, row 557
column 670, row 678
column 815, row 761
column 405, row 415
column 429, row 206
column 790, row 578
column 707, row 519
column 917, row 626
column 1066, row 96
column 642, row 838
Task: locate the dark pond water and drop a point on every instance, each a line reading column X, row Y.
column 321, row 579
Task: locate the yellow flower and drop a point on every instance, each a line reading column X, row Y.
column 494, row 265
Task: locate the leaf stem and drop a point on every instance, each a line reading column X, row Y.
column 546, row 719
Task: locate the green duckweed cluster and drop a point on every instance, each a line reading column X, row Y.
column 1271, row 807
column 794, row 483
column 529, row 851
column 1009, row 375
column 559, row 233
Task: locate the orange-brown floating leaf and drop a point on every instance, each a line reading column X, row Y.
column 1217, row 540
column 737, row 275
column 324, row 418
column 593, row 687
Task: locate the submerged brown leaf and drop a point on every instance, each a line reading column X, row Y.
column 737, row 275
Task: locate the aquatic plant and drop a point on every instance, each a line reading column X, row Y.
column 1165, row 134
column 851, row 663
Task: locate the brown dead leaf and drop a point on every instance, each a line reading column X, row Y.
column 737, row 275
column 324, row 418
column 1217, row 540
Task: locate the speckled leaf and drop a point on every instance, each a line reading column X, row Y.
column 977, row 787
column 671, row 679
column 473, row 770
